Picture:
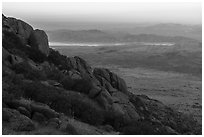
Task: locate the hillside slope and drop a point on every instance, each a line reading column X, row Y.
column 45, row 92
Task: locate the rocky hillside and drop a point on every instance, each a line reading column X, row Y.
column 45, row 92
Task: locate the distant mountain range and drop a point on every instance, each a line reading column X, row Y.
column 129, row 33
column 80, row 36
column 170, row 29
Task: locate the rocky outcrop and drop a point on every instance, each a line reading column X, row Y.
column 39, row 39
column 19, row 27
column 105, row 87
column 69, row 85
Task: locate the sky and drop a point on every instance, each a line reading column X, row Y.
column 39, row 14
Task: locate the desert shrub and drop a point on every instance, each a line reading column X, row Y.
column 29, row 73
column 69, row 102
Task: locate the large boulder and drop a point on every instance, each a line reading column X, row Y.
column 39, row 40
column 19, row 27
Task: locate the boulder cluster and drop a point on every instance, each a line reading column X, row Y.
column 42, row 88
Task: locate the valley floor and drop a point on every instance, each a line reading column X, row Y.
column 180, row 91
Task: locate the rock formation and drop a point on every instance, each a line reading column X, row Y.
column 35, row 38
column 39, row 39
column 56, row 91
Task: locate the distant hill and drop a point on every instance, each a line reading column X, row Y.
column 105, row 36
column 170, row 29
column 80, row 36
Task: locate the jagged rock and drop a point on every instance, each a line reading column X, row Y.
column 112, row 78
column 39, row 117
column 16, row 121
column 24, row 111
column 39, row 40
column 44, row 109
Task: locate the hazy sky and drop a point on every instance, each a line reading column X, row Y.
column 185, row 13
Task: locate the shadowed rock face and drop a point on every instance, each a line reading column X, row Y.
column 39, row 39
